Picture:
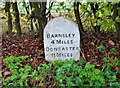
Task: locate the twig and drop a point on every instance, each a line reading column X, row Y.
column 83, row 56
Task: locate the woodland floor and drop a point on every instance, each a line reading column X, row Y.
column 31, row 46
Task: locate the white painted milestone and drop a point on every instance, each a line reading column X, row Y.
column 61, row 40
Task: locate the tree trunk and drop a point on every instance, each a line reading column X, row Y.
column 31, row 17
column 17, row 19
column 42, row 21
column 39, row 15
column 7, row 10
column 78, row 19
column 35, row 15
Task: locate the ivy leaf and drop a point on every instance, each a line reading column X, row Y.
column 80, row 62
column 113, row 51
column 117, row 19
column 101, row 48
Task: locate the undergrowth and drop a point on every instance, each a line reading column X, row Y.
column 64, row 73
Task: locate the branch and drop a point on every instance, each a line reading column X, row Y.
column 50, row 8
column 78, row 19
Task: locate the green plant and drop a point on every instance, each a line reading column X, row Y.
column 101, row 48
column 13, row 62
column 19, row 74
column 41, row 74
column 23, row 75
column 71, row 73
column 113, row 51
column 64, row 73
column 110, row 71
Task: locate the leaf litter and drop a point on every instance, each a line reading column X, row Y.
column 31, row 46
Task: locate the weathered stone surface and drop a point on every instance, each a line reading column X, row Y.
column 61, row 40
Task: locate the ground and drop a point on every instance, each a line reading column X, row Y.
column 31, row 46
